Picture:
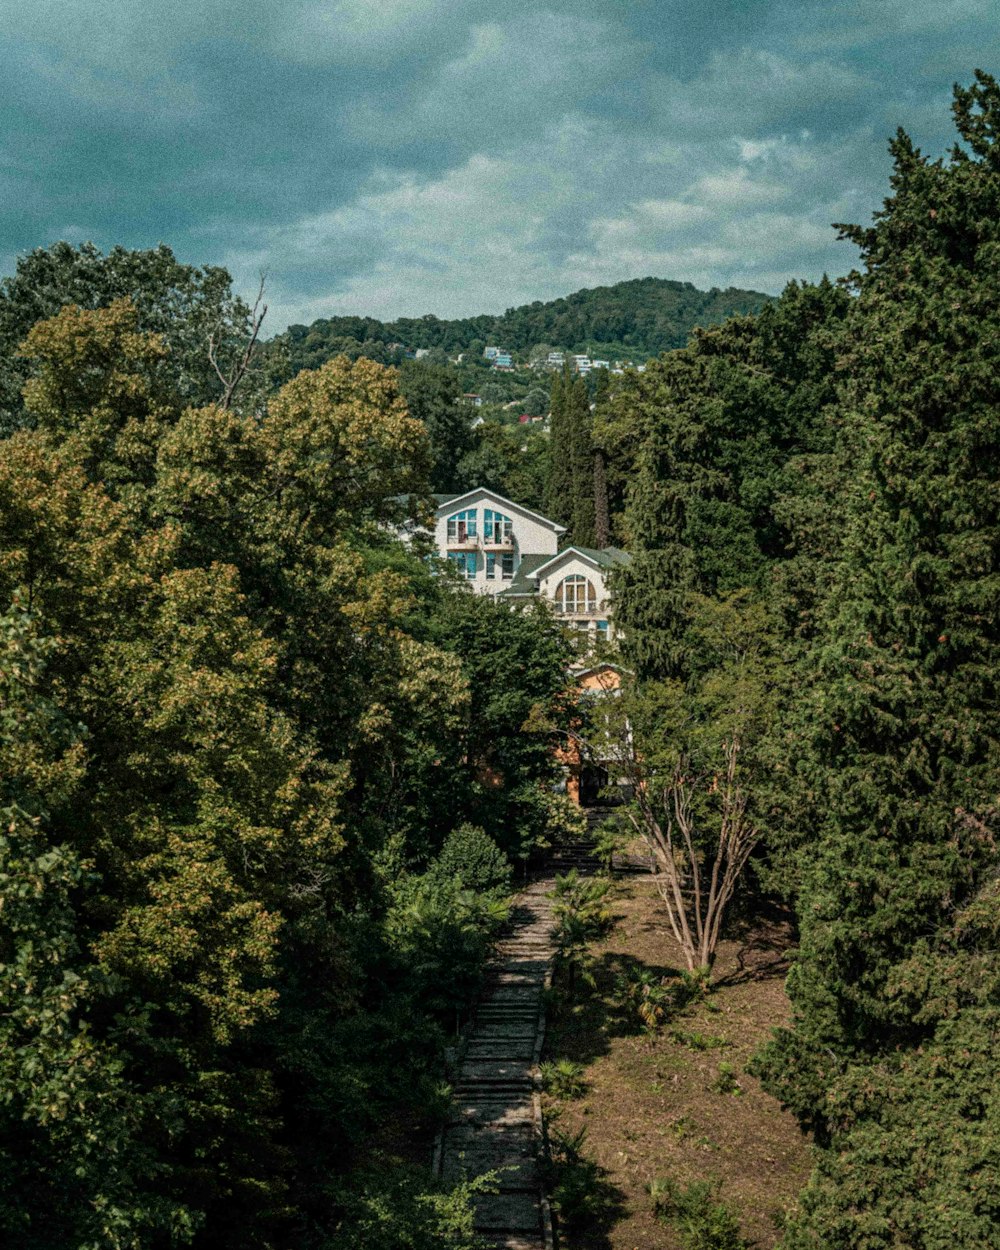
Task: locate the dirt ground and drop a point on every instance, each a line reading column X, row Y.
column 655, row 1107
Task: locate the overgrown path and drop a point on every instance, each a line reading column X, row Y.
column 496, row 1121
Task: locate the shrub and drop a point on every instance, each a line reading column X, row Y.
column 702, row 1220
column 726, row 1082
column 642, row 995
column 472, row 856
column 404, row 1209
column 563, row 1078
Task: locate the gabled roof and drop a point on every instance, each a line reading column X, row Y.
column 599, row 557
column 447, row 500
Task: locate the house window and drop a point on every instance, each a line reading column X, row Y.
column 462, row 526
column 507, row 565
column 575, row 596
column 491, row 565
column 497, row 528
column 464, row 562
column 602, row 630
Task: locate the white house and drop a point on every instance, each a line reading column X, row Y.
column 488, row 537
column 504, row 549
column 574, row 581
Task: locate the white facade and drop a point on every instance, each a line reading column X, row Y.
column 487, row 537
column 574, row 582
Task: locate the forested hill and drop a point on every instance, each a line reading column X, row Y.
column 638, row 319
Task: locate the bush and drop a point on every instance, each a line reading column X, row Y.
column 563, row 1078
column 582, row 1196
column 404, row 1209
column 702, row 1220
column 471, row 855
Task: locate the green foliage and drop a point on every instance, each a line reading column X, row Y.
column 635, row 319
column 563, row 1078
column 702, row 1220
column 433, row 396
column 475, row 859
column 726, row 1081
column 642, row 994
column 570, row 486
column 510, row 770
column 397, row 1209
column 182, row 304
column 236, row 712
column 581, row 913
column 581, row 1195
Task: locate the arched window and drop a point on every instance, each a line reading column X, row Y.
column 462, row 526
column 497, row 529
column 575, row 596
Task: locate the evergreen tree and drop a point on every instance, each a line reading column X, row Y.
column 582, row 458
column 559, row 491
column 433, row 396
column 897, row 735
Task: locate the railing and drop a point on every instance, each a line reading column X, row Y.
column 503, row 541
column 468, row 542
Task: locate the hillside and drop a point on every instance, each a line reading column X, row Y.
column 635, row 319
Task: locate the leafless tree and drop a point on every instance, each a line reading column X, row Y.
column 696, row 868
column 231, row 380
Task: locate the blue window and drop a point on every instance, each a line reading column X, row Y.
column 507, row 565
column 462, row 526
column 491, row 566
column 602, row 629
column 465, row 562
column 497, row 528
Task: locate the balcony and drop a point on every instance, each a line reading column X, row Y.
column 499, row 542
column 462, row 542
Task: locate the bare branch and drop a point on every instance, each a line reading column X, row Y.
column 236, row 374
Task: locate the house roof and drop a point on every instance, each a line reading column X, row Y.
column 523, row 585
column 443, row 500
column 599, row 557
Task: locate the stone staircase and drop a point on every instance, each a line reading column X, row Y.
column 496, row 1121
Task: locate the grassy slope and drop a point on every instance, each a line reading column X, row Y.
column 650, row 1110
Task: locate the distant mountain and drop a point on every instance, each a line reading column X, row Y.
column 635, row 319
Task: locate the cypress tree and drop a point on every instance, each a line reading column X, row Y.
column 559, row 495
column 898, row 739
column 583, row 464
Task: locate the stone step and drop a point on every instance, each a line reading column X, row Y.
column 512, row 1241
column 501, row 1027
column 495, row 1112
column 514, row 1212
column 501, row 1048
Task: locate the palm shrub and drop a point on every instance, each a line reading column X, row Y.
column 581, row 914
column 563, row 1078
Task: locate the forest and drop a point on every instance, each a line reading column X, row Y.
column 268, row 777
column 634, row 320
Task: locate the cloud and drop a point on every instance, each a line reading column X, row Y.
column 459, row 156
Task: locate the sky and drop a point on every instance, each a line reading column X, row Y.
column 400, row 157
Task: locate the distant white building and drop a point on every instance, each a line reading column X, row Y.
column 581, row 364
column 491, row 353
column 504, row 549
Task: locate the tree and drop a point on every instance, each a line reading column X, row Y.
column 433, row 396
column 185, row 305
column 896, row 723
column 693, row 753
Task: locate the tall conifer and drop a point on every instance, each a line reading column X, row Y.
column 899, row 747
